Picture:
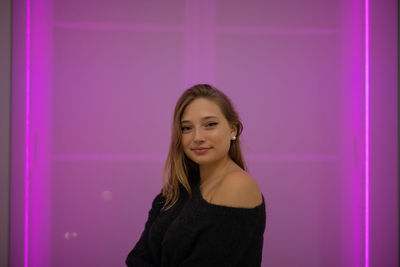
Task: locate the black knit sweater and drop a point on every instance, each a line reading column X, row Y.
column 195, row 233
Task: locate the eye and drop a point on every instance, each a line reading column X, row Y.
column 184, row 128
column 211, row 124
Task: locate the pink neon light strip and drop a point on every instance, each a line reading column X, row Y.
column 27, row 106
column 366, row 133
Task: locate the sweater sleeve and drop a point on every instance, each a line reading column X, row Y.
column 225, row 241
column 140, row 255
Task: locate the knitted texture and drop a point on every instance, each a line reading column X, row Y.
column 195, row 233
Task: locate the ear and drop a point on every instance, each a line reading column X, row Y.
column 233, row 130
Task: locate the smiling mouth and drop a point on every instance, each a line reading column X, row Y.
column 200, row 150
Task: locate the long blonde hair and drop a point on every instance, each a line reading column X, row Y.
column 178, row 167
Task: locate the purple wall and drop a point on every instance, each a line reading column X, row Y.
column 384, row 134
column 105, row 77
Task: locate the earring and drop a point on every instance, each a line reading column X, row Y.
column 234, row 138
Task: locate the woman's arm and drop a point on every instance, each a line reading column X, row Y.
column 140, row 255
column 232, row 241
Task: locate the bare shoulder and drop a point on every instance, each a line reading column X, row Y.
column 239, row 189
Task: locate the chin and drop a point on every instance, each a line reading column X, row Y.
column 202, row 161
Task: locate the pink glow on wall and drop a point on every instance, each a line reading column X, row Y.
column 367, row 133
column 27, row 134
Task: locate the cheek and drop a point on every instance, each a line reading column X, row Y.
column 185, row 141
column 220, row 139
column 221, row 135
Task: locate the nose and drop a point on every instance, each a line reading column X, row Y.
column 198, row 135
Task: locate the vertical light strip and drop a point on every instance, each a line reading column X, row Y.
column 366, row 133
column 27, row 126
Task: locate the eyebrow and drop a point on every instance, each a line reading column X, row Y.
column 203, row 119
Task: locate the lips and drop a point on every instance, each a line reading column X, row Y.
column 201, row 150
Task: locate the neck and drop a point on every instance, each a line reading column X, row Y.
column 215, row 170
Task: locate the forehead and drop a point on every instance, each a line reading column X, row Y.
column 201, row 108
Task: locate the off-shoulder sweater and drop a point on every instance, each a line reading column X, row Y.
column 195, row 232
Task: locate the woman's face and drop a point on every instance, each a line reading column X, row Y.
column 204, row 126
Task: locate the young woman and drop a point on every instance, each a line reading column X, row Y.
column 210, row 211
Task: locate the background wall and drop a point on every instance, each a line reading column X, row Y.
column 5, row 126
column 384, row 134
column 105, row 78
